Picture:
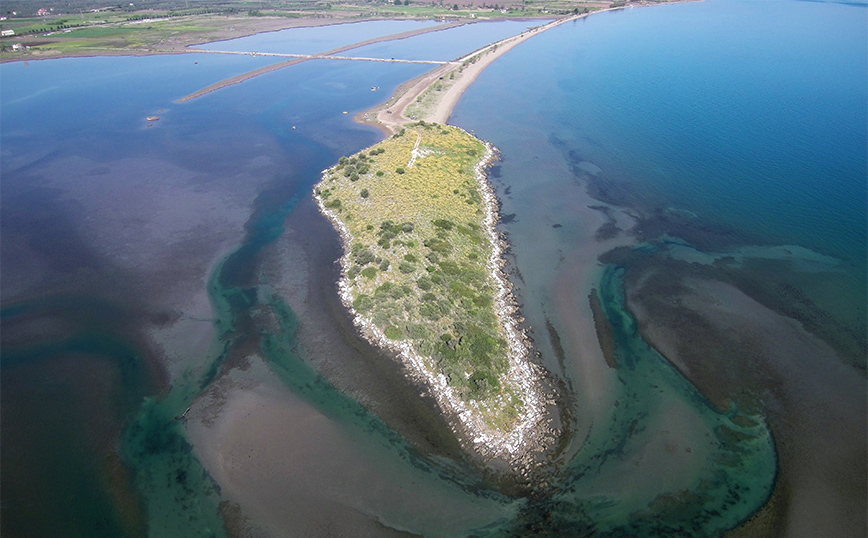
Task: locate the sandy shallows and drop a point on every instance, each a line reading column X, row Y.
column 293, row 471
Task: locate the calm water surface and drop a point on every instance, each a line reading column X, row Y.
column 316, row 39
column 632, row 93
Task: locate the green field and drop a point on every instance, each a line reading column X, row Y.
column 418, row 257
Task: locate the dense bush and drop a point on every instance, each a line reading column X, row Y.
column 411, row 222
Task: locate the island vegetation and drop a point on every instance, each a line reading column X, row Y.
column 422, row 272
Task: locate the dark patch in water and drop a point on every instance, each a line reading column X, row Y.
column 605, row 334
column 609, row 229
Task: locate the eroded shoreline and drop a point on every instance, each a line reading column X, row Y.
column 527, row 431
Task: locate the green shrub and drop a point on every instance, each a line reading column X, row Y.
column 417, row 331
column 438, row 245
column 369, row 272
column 461, row 289
column 393, row 333
column 365, row 194
column 364, row 256
column 399, row 170
column 430, row 312
column 482, row 300
column 410, row 258
column 384, row 290
column 406, row 268
column 443, row 224
column 363, row 303
column 384, row 265
column 449, row 267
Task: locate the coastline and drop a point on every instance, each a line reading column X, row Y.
column 468, row 425
column 268, row 443
column 390, row 116
column 533, row 432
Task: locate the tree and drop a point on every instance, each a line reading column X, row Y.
column 455, row 7
column 406, row 2
column 397, row 2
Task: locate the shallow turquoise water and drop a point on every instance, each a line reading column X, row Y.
column 632, row 92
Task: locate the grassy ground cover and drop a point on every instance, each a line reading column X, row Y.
column 419, row 257
column 430, row 98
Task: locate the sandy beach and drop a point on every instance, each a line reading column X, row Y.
column 391, row 115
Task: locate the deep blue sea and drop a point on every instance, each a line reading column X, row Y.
column 707, row 109
column 751, row 116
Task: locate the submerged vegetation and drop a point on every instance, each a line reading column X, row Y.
column 419, row 265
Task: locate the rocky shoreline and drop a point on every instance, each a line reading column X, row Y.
column 525, row 437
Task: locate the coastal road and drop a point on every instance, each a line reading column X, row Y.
column 319, row 57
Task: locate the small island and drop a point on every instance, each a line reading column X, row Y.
column 422, row 276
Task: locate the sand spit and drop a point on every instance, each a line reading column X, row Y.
column 532, row 432
column 390, row 116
